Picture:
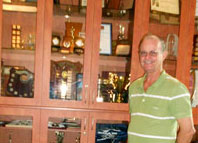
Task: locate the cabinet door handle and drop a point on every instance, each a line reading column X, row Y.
column 92, row 123
column 85, row 123
column 85, row 96
column 86, row 86
column 93, row 99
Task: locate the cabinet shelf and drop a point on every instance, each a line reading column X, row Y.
column 75, row 130
column 17, row 128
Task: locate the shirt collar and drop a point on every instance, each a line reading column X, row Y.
column 156, row 83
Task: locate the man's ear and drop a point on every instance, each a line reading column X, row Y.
column 165, row 54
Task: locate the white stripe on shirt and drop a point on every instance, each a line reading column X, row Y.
column 159, row 97
column 151, row 136
column 151, row 116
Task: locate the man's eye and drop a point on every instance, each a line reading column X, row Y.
column 143, row 53
column 152, row 53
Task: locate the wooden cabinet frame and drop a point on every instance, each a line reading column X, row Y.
column 58, row 113
column 34, row 113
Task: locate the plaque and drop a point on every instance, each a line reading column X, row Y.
column 123, row 48
column 63, row 79
column 20, row 83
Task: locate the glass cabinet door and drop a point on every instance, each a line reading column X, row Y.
column 64, row 126
column 110, row 73
column 104, row 129
column 67, row 53
column 20, row 50
column 165, row 24
column 19, row 125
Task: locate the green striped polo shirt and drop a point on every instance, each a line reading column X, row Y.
column 154, row 112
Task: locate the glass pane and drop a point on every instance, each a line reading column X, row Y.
column 195, row 49
column 195, row 42
column 15, row 129
column 64, row 130
column 111, row 132
column 115, row 52
column 67, row 50
column 18, row 45
column 165, row 24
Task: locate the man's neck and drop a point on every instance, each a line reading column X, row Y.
column 151, row 78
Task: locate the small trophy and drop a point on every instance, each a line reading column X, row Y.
column 59, row 136
column 16, row 36
column 123, row 46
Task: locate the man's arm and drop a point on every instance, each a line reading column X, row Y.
column 186, row 130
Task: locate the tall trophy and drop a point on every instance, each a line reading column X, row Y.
column 123, row 46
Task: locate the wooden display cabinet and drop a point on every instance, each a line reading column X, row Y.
column 93, row 63
column 50, row 21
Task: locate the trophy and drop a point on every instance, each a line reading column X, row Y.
column 72, row 42
column 55, row 43
column 123, row 46
column 59, row 136
column 16, row 36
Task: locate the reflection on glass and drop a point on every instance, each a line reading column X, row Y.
column 113, row 87
column 67, row 51
column 114, row 64
column 15, row 129
column 18, row 45
column 62, row 130
column 66, row 80
column 107, row 132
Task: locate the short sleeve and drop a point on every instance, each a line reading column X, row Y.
column 180, row 106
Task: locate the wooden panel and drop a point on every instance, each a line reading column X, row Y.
column 162, row 30
column 18, row 135
column 88, row 54
column 195, row 115
column 114, row 4
column 0, row 34
column 95, row 51
column 39, row 51
column 141, row 27
column 186, row 33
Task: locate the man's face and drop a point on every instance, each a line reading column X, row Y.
column 151, row 56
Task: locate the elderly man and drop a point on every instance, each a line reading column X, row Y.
column 160, row 105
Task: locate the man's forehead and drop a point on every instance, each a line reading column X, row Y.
column 150, row 43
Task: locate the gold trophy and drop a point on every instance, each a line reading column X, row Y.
column 123, row 46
